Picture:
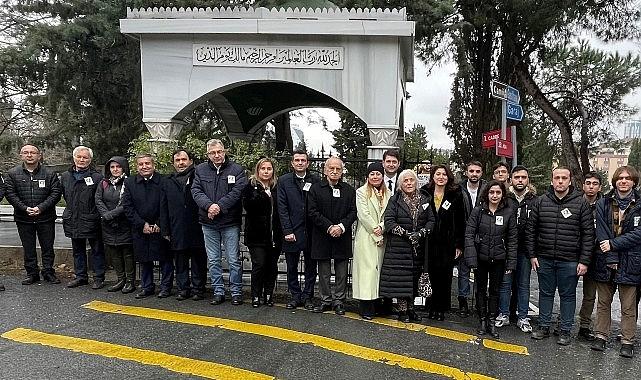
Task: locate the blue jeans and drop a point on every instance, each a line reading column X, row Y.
column 555, row 274
column 229, row 236
column 463, row 278
column 522, row 273
column 79, row 248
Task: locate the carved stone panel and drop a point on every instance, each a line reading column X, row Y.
column 165, row 131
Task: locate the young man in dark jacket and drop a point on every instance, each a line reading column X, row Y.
column 559, row 240
column 81, row 219
column 217, row 190
column 293, row 190
column 33, row 191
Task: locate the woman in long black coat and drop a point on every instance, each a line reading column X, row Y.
column 446, row 242
column 263, row 232
column 408, row 220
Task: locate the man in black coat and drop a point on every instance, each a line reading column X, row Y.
column 293, row 189
column 81, row 219
column 142, row 203
column 33, row 191
column 332, row 211
column 185, row 235
column 559, row 239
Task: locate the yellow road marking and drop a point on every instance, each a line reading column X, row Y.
column 173, row 363
column 293, row 336
column 505, row 347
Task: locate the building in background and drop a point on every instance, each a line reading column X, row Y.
column 610, row 156
column 632, row 129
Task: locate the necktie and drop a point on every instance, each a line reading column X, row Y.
column 389, row 185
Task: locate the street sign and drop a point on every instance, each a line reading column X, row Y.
column 514, row 112
column 513, row 95
column 504, row 148
column 498, row 89
column 490, row 137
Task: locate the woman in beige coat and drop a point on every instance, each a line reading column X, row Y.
column 371, row 200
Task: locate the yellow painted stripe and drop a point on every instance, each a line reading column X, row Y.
column 505, row 347
column 283, row 334
column 173, row 363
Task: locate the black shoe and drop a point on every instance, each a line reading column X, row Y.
column 564, row 338
column 541, row 333
column 2, row 288
column 490, row 328
column 129, row 287
column 164, row 293
column 292, row 304
column 76, row 282
column 403, row 317
column 440, row 316
column 98, row 284
column 182, row 296
column 627, row 350
column 339, row 309
column 309, row 304
column 321, row 308
column 197, row 297
column 414, row 317
column 431, row 315
column 236, row 300
column 51, row 277
column 586, row 334
column 255, row 301
column 117, row 286
column 30, row 280
column 367, row 317
column 463, row 308
column 218, row 299
column 482, row 327
column 269, row 300
column 598, row 344
column 144, row 294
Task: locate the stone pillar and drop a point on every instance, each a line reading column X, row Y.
column 383, row 137
column 164, row 132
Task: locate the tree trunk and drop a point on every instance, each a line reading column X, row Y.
column 585, row 139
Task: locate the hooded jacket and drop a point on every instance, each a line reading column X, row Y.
column 116, row 229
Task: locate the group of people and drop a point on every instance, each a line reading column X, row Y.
column 407, row 237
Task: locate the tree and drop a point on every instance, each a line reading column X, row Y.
column 634, row 158
column 415, row 146
column 351, row 141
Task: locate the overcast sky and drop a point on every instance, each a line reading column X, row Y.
column 429, row 101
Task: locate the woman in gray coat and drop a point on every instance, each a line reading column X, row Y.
column 116, row 230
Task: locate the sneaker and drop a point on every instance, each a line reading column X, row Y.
column 502, row 320
column 524, row 325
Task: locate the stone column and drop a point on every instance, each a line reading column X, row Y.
column 164, row 132
column 383, row 137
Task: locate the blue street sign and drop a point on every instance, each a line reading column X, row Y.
column 514, row 112
column 513, row 95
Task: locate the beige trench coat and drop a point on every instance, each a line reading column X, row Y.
column 366, row 265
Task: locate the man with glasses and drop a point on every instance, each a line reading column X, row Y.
column 501, row 172
column 33, row 191
column 217, row 190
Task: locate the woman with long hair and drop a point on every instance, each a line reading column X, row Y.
column 490, row 249
column 446, row 242
column 371, row 200
column 263, row 231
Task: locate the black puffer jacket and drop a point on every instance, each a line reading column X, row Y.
column 400, row 262
column 81, row 218
column 116, row 229
column 262, row 224
column 490, row 237
column 625, row 248
column 38, row 189
column 560, row 229
column 523, row 210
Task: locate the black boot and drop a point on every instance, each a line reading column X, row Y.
column 463, row 308
column 129, row 287
column 491, row 327
column 117, row 286
column 482, row 326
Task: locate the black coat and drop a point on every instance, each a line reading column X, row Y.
column 326, row 210
column 116, row 229
column 467, row 199
column 523, row 210
column 180, row 213
column 38, row 189
column 560, row 229
column 490, row 237
column 262, row 224
column 292, row 209
column 401, row 261
column 625, row 249
column 81, row 218
column 449, row 229
column 142, row 203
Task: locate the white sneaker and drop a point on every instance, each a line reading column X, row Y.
column 502, row 320
column 524, row 325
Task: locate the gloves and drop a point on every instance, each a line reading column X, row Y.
column 400, row 231
column 416, row 237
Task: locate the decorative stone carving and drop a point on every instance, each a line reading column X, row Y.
column 383, row 134
column 164, row 131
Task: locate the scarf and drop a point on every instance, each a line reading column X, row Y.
column 412, row 201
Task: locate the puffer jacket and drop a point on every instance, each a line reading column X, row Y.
column 490, row 237
column 38, row 189
column 116, row 229
column 81, row 218
column 625, row 248
column 560, row 229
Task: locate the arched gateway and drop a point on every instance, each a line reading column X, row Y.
column 256, row 64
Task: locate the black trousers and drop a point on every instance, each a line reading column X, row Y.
column 46, row 233
column 122, row 258
column 264, row 270
column 441, row 280
column 310, row 269
column 488, row 273
column 198, row 269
